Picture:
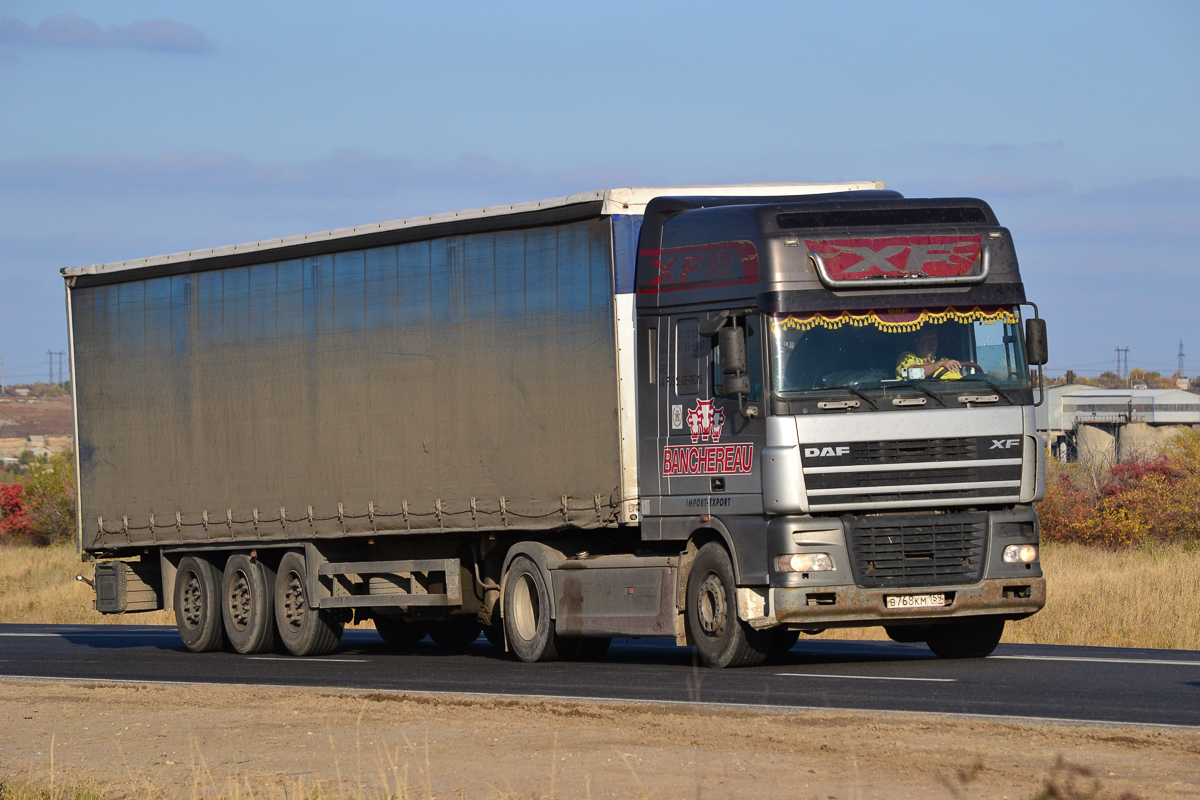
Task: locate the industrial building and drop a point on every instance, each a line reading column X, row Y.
column 1093, row 425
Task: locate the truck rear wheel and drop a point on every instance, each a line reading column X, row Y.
column 247, row 590
column 720, row 638
column 974, row 639
column 197, row 607
column 782, row 641
column 581, row 649
column 455, row 631
column 304, row 630
column 397, row 632
column 527, row 621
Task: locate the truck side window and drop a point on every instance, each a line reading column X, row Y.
column 687, row 357
column 753, row 361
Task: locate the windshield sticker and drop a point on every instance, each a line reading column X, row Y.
column 702, row 265
column 895, row 320
column 898, row 256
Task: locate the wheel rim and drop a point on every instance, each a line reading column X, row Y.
column 239, row 600
column 525, row 607
column 294, row 607
column 713, row 610
column 193, row 601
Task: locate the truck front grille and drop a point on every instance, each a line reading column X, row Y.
column 912, row 472
column 918, row 550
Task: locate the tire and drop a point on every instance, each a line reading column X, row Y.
column 975, row 639
column 720, row 638
column 197, row 605
column 906, row 634
column 397, row 632
column 584, row 649
column 303, row 630
column 782, row 641
column 247, row 605
column 527, row 622
column 495, row 631
column 456, row 631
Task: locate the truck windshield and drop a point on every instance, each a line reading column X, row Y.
column 865, row 349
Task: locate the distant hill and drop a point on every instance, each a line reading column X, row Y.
column 21, row 417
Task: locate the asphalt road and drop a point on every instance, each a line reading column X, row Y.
column 1095, row 684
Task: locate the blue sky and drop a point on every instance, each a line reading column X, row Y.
column 136, row 128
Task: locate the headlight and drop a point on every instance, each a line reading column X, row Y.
column 805, row 562
column 1020, row 553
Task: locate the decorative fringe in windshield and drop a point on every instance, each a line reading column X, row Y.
column 895, row 320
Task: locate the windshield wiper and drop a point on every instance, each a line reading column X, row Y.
column 857, row 393
column 911, row 384
column 991, row 383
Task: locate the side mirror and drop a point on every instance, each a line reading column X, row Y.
column 1035, row 342
column 731, row 347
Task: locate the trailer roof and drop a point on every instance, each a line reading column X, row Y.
column 631, row 200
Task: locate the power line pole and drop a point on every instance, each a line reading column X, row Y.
column 50, row 359
column 1181, row 358
column 1122, row 362
column 2, row 389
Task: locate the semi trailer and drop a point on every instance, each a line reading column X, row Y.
column 724, row 414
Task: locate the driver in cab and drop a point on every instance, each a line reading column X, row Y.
column 924, row 364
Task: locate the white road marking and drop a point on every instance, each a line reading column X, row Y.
column 306, row 660
column 1103, row 660
column 862, row 677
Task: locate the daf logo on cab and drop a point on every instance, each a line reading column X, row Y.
column 823, row 452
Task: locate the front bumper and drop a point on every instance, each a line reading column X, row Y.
column 848, row 606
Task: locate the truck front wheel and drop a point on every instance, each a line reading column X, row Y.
column 247, row 588
column 304, row 630
column 973, row 639
column 720, row 638
column 197, row 608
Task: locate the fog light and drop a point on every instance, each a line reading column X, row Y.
column 805, row 562
column 1020, row 553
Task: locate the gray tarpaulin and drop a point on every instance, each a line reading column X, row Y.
column 463, row 382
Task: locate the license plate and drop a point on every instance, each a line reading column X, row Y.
column 914, row 600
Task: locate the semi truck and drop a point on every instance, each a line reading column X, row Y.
column 724, row 414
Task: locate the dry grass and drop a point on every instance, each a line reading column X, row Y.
column 37, row 584
column 1149, row 597
column 1146, row 597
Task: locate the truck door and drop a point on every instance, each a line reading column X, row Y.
column 708, row 456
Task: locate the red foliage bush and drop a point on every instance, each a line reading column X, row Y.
column 1130, row 503
column 14, row 522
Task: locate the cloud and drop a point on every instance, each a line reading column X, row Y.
column 72, row 30
column 1175, row 190
column 345, row 172
column 996, row 184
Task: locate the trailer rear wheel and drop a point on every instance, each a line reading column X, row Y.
column 397, row 632
column 720, row 638
column 304, row 630
column 197, row 607
column 247, row 589
column 527, row 619
column 455, row 631
column 973, row 639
